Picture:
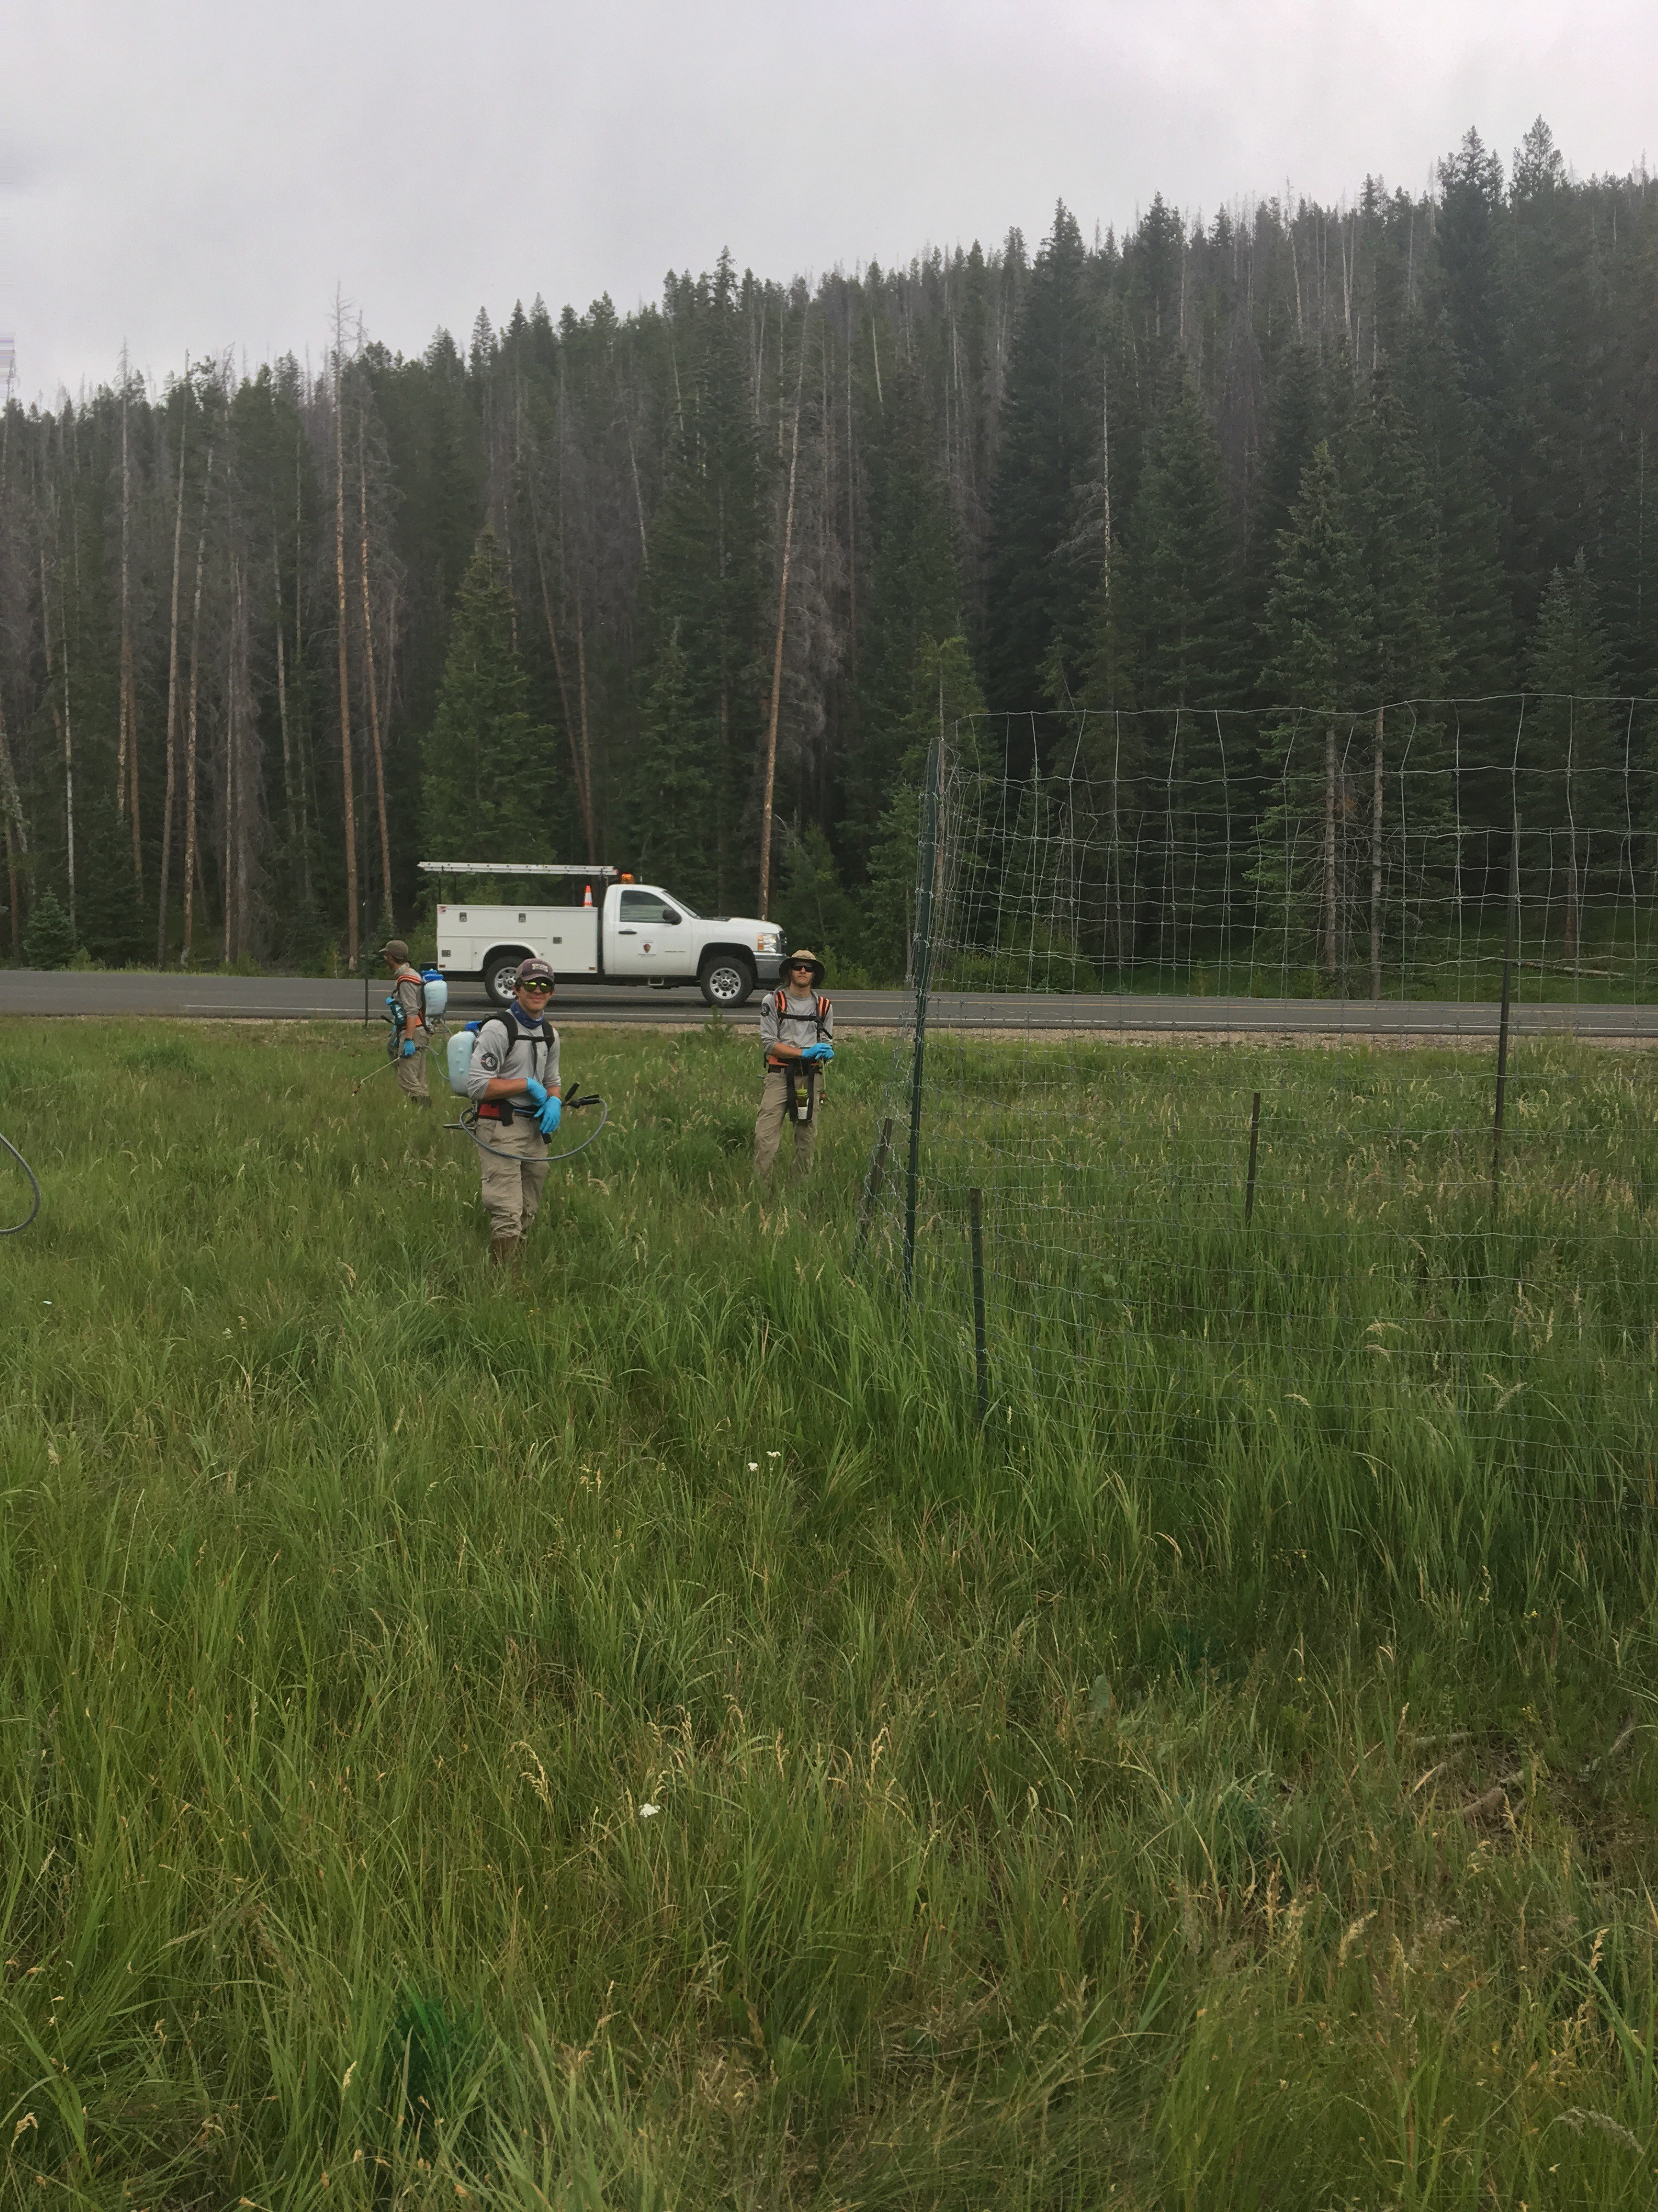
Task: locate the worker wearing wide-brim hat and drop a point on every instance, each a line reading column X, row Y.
column 409, row 1036
column 797, row 1042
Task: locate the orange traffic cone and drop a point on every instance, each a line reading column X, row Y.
column 587, row 896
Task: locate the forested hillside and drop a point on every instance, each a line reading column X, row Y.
column 583, row 588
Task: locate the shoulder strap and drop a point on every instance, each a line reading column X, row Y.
column 782, row 1003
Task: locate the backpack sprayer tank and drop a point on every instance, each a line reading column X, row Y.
column 436, row 994
column 460, row 1057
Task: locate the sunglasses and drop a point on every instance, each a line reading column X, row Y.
column 800, row 967
column 543, row 988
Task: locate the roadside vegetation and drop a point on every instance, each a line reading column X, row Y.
column 621, row 1736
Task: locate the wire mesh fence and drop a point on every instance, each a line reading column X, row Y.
column 1278, row 1083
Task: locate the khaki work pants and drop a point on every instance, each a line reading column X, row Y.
column 513, row 1185
column 772, row 1117
column 411, row 1075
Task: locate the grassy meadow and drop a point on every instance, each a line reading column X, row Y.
column 621, row 1736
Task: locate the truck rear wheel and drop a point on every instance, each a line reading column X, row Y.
column 725, row 979
column 501, row 973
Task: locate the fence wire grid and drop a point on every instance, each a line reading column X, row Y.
column 1281, row 1082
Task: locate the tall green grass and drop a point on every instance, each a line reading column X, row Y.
column 1040, row 1818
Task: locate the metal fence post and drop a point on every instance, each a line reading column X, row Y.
column 923, row 978
column 1503, row 1018
column 872, row 1182
column 981, row 1358
column 1255, row 1146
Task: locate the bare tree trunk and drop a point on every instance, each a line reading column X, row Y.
column 583, row 792
column 346, row 792
column 227, row 876
column 1330, row 849
column 13, row 806
column 281, row 693
column 586, row 741
column 172, row 684
column 373, row 695
column 62, row 723
column 1376, row 862
column 192, row 857
column 777, row 653
column 633, row 461
column 126, row 770
column 304, row 748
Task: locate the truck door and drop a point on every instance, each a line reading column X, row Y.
column 649, row 935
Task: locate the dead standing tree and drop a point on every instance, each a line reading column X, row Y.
column 347, row 788
column 192, row 854
column 168, row 803
column 770, row 782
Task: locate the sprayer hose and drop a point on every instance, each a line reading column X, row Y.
column 34, row 1184
column 467, row 1129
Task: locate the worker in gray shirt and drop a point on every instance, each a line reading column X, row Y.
column 513, row 1081
column 797, row 1033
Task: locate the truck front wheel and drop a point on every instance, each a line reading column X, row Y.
column 500, row 975
column 725, row 979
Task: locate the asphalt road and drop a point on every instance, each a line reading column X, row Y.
column 300, row 998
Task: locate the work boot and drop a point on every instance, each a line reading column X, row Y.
column 505, row 1251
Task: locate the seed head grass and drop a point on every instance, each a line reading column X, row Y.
column 618, row 1734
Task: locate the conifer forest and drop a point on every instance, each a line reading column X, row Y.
column 629, row 588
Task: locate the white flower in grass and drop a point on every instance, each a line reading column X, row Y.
column 649, row 1812
column 754, row 1466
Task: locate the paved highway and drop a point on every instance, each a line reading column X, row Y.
column 301, row 998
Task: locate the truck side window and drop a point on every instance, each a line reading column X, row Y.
column 646, row 906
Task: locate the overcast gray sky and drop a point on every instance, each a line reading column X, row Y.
column 202, row 173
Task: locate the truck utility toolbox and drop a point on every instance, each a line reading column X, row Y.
column 608, row 928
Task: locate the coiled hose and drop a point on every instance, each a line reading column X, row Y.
column 468, row 1128
column 34, row 1185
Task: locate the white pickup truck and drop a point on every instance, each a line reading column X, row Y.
column 635, row 933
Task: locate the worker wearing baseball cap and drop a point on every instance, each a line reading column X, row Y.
column 408, row 1037
column 513, row 1082
column 797, row 1037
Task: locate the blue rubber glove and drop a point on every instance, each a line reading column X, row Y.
column 548, row 1118
column 817, row 1052
column 410, row 1048
column 536, row 1093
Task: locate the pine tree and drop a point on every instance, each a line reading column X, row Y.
column 1470, row 594
column 1297, row 417
column 1390, row 518
column 1315, row 634
column 913, row 601
column 1470, row 213
column 675, row 773
column 1049, row 433
column 1185, row 560
column 1570, row 795
column 48, row 941
column 704, row 600
column 489, row 766
column 944, row 691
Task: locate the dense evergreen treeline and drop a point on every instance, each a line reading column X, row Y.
column 629, row 588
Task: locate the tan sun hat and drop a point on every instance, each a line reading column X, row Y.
column 799, row 954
